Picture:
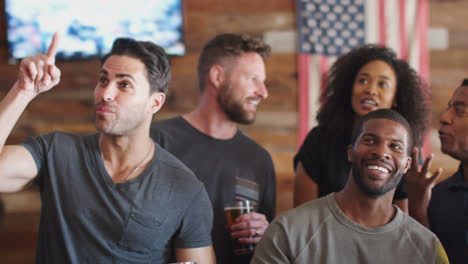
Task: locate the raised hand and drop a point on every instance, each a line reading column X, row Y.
column 420, row 182
column 38, row 73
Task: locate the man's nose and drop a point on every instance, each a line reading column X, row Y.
column 262, row 90
column 107, row 93
column 447, row 116
column 381, row 151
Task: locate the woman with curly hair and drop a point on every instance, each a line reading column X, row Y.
column 366, row 79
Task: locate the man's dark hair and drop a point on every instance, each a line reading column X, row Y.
column 226, row 47
column 337, row 115
column 158, row 68
column 464, row 82
column 384, row 114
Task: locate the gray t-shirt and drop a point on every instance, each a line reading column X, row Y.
column 319, row 232
column 87, row 218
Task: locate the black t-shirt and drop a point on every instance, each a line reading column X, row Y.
column 448, row 216
column 325, row 160
column 231, row 169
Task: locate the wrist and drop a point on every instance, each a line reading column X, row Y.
column 19, row 93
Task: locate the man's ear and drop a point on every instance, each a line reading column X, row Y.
column 349, row 150
column 408, row 163
column 157, row 101
column 217, row 75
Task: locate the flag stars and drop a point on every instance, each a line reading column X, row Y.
column 331, row 24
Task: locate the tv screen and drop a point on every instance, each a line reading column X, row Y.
column 88, row 27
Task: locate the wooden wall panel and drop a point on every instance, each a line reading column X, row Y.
column 68, row 106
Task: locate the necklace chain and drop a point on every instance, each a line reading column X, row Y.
column 139, row 164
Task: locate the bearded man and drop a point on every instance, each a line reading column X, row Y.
column 231, row 78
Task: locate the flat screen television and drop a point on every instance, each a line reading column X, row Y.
column 88, row 27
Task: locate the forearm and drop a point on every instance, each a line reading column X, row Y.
column 11, row 108
column 17, row 168
column 418, row 211
column 421, row 218
column 305, row 189
column 402, row 204
column 199, row 255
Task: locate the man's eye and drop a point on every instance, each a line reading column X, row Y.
column 461, row 111
column 125, row 85
column 397, row 147
column 102, row 80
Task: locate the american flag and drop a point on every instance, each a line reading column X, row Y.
column 330, row 28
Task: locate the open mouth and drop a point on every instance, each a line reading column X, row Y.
column 369, row 102
column 253, row 103
column 378, row 168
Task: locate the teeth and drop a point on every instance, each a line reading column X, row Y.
column 254, row 102
column 375, row 167
column 368, row 101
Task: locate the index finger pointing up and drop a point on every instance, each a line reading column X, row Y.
column 53, row 48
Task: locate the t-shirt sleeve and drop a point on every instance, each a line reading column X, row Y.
column 38, row 147
column 273, row 247
column 197, row 223
column 440, row 254
column 268, row 206
column 309, row 152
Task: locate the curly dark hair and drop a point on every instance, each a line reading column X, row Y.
column 337, row 114
column 228, row 46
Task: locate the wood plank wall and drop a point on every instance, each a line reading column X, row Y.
column 68, row 106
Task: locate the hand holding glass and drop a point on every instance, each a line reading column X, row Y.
column 232, row 211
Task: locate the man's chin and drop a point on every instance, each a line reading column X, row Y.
column 243, row 119
column 103, row 128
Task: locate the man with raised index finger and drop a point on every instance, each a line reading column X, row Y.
column 114, row 196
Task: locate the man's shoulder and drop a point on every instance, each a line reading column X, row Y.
column 60, row 137
column 169, row 162
column 442, row 187
column 250, row 144
column 172, row 131
column 311, row 214
column 418, row 233
column 162, row 125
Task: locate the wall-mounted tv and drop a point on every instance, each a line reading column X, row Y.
column 89, row 27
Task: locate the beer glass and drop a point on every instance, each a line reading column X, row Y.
column 232, row 211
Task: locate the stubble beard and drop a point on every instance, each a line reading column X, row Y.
column 115, row 125
column 233, row 109
column 375, row 192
